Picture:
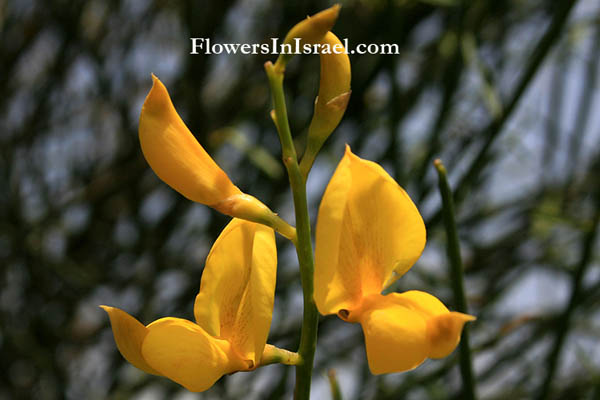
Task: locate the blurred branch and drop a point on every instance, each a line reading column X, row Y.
column 564, row 322
column 336, row 394
column 449, row 47
column 495, row 127
column 584, row 112
column 456, row 272
column 554, row 118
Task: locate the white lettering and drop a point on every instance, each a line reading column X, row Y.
column 231, row 48
column 296, row 46
column 196, row 45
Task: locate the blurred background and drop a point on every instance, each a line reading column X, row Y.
column 504, row 92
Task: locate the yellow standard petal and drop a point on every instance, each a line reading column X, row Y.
column 129, row 335
column 403, row 329
column 175, row 155
column 236, row 295
column 186, row 354
column 368, row 234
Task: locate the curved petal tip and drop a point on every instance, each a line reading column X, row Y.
column 129, row 336
column 158, row 99
column 444, row 331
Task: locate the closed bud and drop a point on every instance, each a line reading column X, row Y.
column 334, row 90
column 310, row 31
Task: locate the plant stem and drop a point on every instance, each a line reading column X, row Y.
column 274, row 355
column 308, row 158
column 308, row 337
column 336, row 393
column 456, row 272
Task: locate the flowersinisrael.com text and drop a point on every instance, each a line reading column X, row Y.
column 204, row 46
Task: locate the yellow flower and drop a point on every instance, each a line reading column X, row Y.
column 182, row 163
column 233, row 313
column 369, row 233
column 174, row 153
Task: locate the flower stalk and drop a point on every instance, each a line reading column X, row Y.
column 310, row 320
column 275, row 355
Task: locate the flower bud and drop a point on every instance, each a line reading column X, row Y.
column 334, row 90
column 310, row 31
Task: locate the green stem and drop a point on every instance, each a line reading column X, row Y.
column 336, row 393
column 308, row 158
column 456, row 271
column 308, row 337
column 275, row 355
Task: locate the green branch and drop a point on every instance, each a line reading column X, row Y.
column 336, row 393
column 456, row 272
column 308, row 338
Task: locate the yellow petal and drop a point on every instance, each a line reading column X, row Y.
column 129, row 335
column 236, row 295
column 313, row 28
column 403, row 329
column 186, row 354
column 310, row 31
column 443, row 332
column 334, row 94
column 368, row 234
column 175, row 155
column 443, row 327
column 334, row 89
column 395, row 336
column 335, row 69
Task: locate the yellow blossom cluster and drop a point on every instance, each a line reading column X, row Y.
column 368, row 234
